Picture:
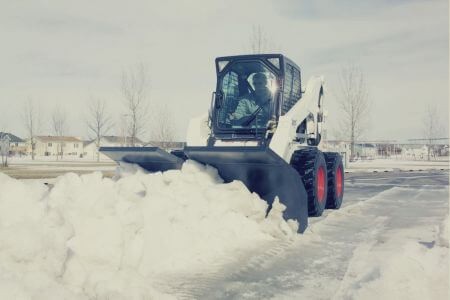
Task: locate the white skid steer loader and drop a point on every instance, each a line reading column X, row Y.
column 263, row 128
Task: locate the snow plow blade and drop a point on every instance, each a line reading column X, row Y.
column 152, row 159
column 259, row 168
column 263, row 172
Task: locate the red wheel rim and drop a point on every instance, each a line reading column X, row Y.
column 321, row 184
column 339, row 182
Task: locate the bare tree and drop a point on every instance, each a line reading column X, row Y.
column 121, row 130
column 259, row 42
column 59, row 119
column 354, row 103
column 163, row 131
column 4, row 140
column 4, row 148
column 134, row 89
column 32, row 121
column 98, row 121
column 432, row 128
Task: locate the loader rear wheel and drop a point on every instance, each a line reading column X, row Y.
column 335, row 174
column 310, row 164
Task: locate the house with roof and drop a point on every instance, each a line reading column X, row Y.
column 17, row 146
column 58, row 145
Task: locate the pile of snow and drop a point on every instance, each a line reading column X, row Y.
column 94, row 237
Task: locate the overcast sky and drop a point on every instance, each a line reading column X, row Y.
column 63, row 52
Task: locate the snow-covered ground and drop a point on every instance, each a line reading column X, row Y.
column 186, row 235
column 45, row 167
column 388, row 245
column 383, row 165
column 26, row 159
column 48, row 167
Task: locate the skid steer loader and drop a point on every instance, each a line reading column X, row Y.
column 263, row 128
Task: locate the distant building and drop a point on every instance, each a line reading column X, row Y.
column 17, row 146
column 443, row 150
column 416, row 149
column 365, row 150
column 340, row 146
column 58, row 145
column 387, row 150
column 421, row 151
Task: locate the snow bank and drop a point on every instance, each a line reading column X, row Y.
column 94, row 237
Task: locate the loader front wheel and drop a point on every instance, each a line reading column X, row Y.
column 335, row 179
column 310, row 164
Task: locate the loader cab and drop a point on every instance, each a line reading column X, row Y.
column 252, row 92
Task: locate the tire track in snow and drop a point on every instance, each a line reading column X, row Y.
column 402, row 209
column 211, row 284
column 194, row 286
column 313, row 267
column 370, row 270
column 314, row 255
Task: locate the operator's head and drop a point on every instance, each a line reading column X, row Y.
column 259, row 81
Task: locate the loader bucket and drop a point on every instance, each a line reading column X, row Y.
column 152, row 159
column 263, row 172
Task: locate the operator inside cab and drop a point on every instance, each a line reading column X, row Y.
column 247, row 91
column 257, row 102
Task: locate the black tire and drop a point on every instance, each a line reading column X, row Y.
column 310, row 164
column 335, row 172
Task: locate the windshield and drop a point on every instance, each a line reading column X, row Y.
column 248, row 91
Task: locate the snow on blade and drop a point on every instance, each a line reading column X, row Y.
column 94, row 237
